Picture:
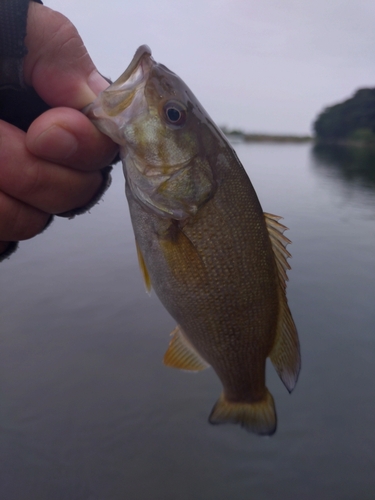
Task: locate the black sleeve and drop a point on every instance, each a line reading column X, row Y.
column 13, row 20
column 21, row 105
column 18, row 105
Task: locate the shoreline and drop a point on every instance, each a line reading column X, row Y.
column 239, row 136
column 261, row 137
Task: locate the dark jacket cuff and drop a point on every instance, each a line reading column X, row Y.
column 107, row 179
column 13, row 21
column 11, row 248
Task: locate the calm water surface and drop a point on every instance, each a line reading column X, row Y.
column 87, row 409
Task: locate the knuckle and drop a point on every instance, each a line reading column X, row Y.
column 19, row 221
column 95, row 150
column 90, row 184
column 30, row 183
column 29, row 225
column 78, row 191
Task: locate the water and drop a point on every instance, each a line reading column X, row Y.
column 88, row 411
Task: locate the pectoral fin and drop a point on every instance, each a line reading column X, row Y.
column 181, row 354
column 182, row 256
column 142, row 265
column 285, row 354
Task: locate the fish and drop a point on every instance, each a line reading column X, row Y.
column 216, row 261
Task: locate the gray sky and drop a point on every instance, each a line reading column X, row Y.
column 260, row 65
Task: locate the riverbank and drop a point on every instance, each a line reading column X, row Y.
column 239, row 136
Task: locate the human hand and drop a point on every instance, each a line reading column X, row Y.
column 55, row 166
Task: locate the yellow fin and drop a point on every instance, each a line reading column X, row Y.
column 279, row 243
column 285, row 354
column 182, row 256
column 142, row 265
column 258, row 417
column 181, row 354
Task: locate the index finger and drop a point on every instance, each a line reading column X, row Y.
column 67, row 137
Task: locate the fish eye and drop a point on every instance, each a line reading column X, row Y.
column 175, row 113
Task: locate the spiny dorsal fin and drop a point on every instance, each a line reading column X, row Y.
column 181, row 354
column 279, row 243
column 285, row 354
column 142, row 265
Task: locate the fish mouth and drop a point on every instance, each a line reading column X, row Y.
column 141, row 60
column 120, row 95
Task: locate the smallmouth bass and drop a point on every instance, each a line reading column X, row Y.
column 216, row 261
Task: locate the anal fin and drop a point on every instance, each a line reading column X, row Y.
column 181, row 354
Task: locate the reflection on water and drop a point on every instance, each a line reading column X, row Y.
column 89, row 412
column 353, row 165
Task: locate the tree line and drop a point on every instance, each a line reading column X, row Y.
column 350, row 121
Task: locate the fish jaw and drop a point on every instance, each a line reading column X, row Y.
column 118, row 105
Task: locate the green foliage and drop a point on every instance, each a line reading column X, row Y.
column 365, row 135
column 353, row 119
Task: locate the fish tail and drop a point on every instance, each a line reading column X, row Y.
column 258, row 417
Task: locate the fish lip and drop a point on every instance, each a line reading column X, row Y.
column 124, row 88
column 142, row 54
column 132, row 79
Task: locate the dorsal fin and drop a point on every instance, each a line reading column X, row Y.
column 279, row 243
column 142, row 265
column 285, row 354
column 181, row 354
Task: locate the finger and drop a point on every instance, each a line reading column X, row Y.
column 42, row 184
column 67, row 137
column 57, row 64
column 19, row 221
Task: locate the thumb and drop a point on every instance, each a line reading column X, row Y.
column 58, row 65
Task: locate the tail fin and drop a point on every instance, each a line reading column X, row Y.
column 258, row 417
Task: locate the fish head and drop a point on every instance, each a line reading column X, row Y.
column 164, row 136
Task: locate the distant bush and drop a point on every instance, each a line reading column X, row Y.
column 353, row 119
column 365, row 135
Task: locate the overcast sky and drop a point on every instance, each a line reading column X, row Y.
column 259, row 65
